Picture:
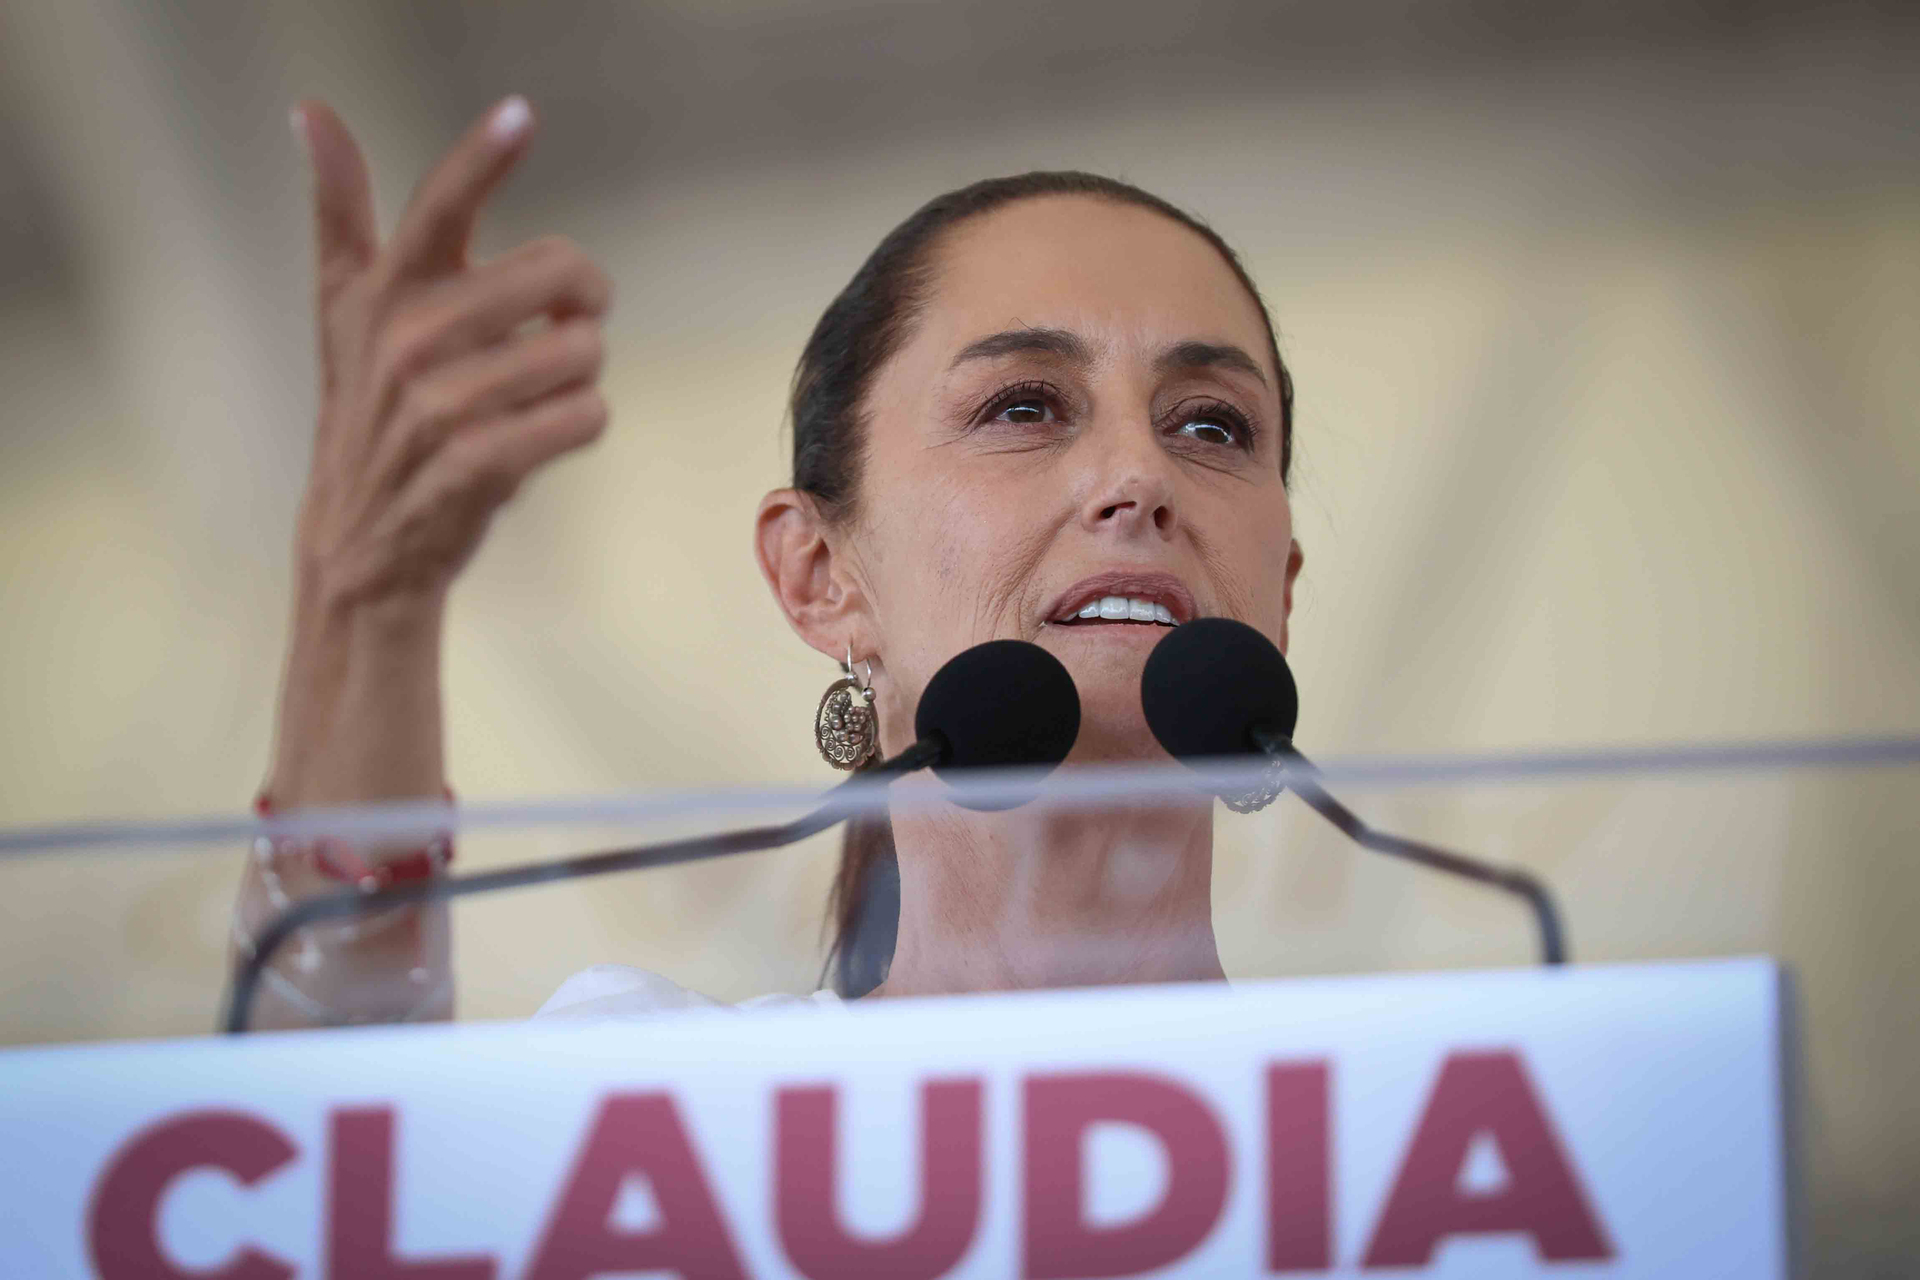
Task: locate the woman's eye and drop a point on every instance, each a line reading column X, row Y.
column 1026, row 411
column 1209, row 430
column 1031, row 409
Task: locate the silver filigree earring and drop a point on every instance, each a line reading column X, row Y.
column 846, row 728
column 1262, row 794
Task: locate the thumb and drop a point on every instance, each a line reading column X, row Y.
column 346, row 236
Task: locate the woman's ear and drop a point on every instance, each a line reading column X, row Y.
column 1295, row 558
column 809, row 579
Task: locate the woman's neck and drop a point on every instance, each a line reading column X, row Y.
column 997, row 902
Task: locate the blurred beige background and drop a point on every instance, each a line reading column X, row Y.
column 1604, row 326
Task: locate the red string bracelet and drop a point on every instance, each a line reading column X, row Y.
column 338, row 860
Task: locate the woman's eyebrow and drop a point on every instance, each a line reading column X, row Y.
column 1030, row 341
column 1208, row 355
column 1067, row 345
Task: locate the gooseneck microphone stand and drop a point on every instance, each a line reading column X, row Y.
column 1553, row 947
column 352, row 902
column 1002, row 703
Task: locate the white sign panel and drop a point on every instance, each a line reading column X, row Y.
column 1602, row 1122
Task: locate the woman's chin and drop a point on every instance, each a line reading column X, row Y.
column 1106, row 671
column 1113, row 730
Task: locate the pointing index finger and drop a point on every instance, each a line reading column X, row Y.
column 438, row 224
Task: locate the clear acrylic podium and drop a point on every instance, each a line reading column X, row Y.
column 1389, row 1081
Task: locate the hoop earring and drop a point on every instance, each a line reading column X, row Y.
column 845, row 728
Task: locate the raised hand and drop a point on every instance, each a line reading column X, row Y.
column 443, row 385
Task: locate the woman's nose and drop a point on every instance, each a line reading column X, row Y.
column 1133, row 500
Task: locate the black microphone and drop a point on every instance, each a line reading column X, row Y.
column 1002, row 703
column 1219, row 688
column 1005, row 703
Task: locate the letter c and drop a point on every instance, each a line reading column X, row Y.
column 123, row 1221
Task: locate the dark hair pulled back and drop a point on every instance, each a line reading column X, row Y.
column 859, row 331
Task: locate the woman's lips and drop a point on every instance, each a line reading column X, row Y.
column 1122, row 609
column 1155, row 599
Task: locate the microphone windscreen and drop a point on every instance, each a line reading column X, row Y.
column 1212, row 680
column 1003, row 703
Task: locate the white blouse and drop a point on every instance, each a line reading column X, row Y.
column 622, row 991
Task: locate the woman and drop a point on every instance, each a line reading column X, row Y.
column 1048, row 408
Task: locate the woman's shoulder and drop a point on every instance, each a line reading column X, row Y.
column 622, row 991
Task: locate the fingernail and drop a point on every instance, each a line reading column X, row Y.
column 297, row 119
column 509, row 119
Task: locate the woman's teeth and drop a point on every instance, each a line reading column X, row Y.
column 1126, row 609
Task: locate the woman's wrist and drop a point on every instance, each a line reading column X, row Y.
column 360, row 707
column 367, row 864
column 387, row 966
column 337, row 605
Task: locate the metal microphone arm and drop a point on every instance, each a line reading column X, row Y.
column 1523, row 884
column 350, row 902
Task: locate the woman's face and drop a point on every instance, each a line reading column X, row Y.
column 1085, row 411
